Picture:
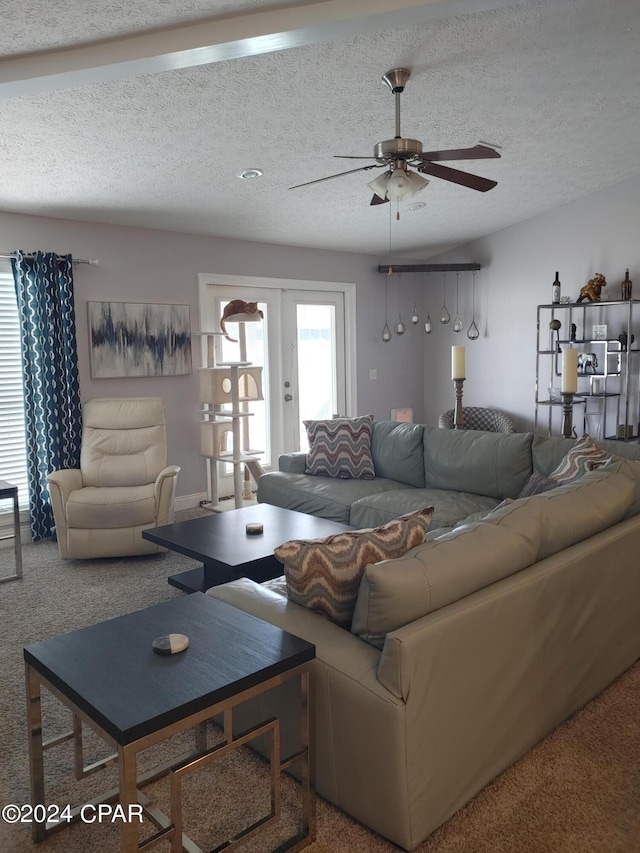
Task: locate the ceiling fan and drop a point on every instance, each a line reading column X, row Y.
column 399, row 182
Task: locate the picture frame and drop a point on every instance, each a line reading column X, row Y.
column 132, row 339
column 599, row 332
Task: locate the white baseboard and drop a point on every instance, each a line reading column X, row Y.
column 189, row 501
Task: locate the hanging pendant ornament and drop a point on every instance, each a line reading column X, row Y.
column 445, row 317
column 415, row 317
column 399, row 327
column 386, row 332
column 458, row 325
column 428, row 325
column 473, row 334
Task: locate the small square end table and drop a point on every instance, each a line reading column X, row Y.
column 109, row 677
column 10, row 492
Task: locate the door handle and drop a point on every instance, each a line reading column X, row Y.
column 288, row 398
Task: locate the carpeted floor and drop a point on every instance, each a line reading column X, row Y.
column 576, row 792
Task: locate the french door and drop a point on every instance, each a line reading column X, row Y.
column 305, row 346
column 313, row 362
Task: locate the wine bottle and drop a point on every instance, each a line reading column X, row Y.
column 555, row 291
column 626, row 286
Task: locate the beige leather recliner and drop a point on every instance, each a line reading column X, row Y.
column 123, row 485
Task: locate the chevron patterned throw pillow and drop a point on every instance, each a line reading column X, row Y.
column 341, row 448
column 324, row 574
column 585, row 455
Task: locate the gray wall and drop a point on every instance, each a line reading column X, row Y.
column 141, row 265
column 598, row 233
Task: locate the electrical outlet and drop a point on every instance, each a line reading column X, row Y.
column 373, row 374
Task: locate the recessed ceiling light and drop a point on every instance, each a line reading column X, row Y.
column 250, row 174
column 417, row 205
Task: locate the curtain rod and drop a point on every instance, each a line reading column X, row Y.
column 91, row 263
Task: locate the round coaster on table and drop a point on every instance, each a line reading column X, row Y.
column 170, row 644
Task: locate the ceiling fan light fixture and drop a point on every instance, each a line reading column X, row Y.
column 379, row 185
column 404, row 184
column 418, row 183
column 399, row 185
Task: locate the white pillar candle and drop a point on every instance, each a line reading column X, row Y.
column 457, row 363
column 569, row 371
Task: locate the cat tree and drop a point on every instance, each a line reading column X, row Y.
column 226, row 389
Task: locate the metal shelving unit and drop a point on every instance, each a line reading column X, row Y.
column 609, row 387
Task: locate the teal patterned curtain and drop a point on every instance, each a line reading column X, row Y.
column 44, row 290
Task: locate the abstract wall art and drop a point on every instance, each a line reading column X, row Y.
column 138, row 339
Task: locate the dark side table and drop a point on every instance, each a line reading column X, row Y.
column 111, row 679
column 10, row 492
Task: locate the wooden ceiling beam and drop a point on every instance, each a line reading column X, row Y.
column 233, row 35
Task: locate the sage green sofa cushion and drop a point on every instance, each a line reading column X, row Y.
column 574, row 511
column 397, row 451
column 292, row 463
column 325, row 497
column 395, row 592
column 549, row 451
column 449, row 507
column 484, row 463
column 631, row 468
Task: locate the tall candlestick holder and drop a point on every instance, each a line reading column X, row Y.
column 567, row 414
column 458, row 418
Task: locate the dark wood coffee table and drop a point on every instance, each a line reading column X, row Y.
column 220, row 542
column 111, row 679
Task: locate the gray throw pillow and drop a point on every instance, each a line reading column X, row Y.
column 537, row 484
column 585, row 455
column 341, row 448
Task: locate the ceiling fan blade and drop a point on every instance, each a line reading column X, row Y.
column 478, row 152
column 338, row 175
column 354, row 157
column 377, row 200
column 474, row 182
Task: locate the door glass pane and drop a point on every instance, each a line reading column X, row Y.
column 254, row 429
column 317, row 397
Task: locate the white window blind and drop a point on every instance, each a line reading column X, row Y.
column 13, row 457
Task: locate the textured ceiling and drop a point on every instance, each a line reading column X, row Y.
column 555, row 85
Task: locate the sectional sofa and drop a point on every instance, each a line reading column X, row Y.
column 458, row 472
column 473, row 646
